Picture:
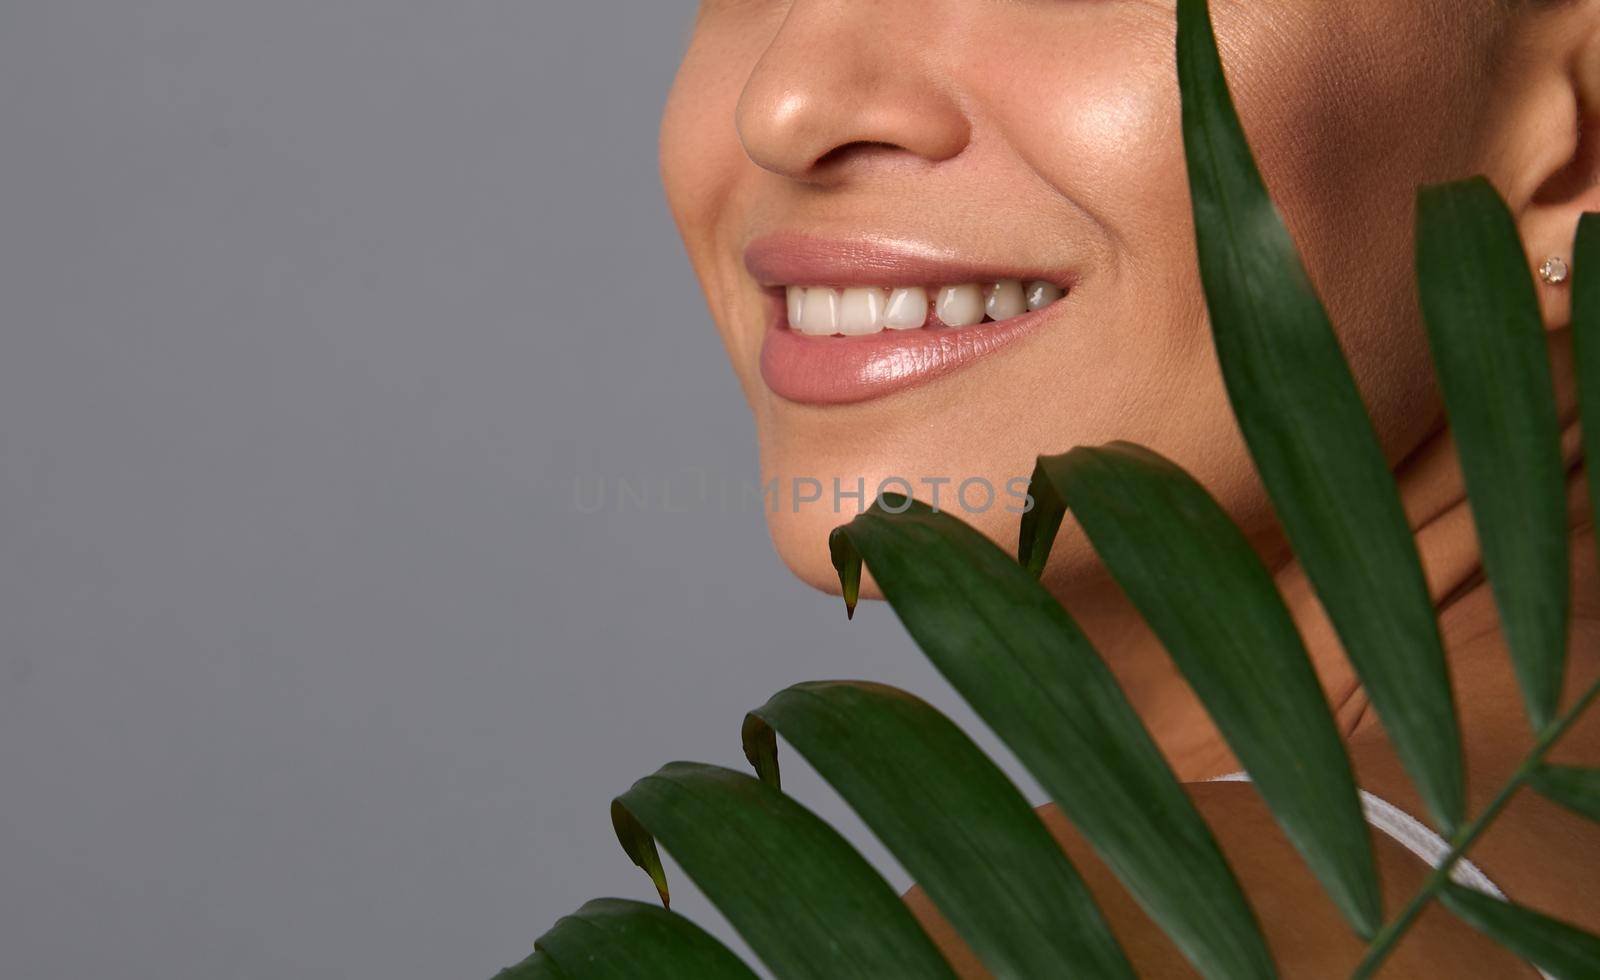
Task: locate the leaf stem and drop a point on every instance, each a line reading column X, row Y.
column 1385, row 941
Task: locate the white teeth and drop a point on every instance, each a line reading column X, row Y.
column 797, row 301
column 819, row 313
column 907, row 309
column 960, row 306
column 861, row 312
column 1005, row 300
column 1042, row 294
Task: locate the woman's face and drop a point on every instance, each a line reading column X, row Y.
column 846, row 154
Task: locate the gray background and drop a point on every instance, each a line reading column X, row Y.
column 310, row 312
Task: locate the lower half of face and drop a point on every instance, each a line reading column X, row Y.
column 940, row 238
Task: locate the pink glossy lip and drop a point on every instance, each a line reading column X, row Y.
column 844, row 370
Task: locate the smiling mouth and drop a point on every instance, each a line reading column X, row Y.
column 851, row 321
column 822, row 311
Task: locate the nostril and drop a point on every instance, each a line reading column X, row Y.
column 861, row 149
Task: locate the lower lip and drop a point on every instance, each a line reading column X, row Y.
column 844, row 370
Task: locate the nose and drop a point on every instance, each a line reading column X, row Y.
column 846, row 86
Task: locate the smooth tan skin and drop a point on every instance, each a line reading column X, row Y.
column 1046, row 132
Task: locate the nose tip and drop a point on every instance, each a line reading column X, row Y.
column 833, row 94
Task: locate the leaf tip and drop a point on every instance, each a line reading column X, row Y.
column 640, row 847
column 761, row 749
column 1041, row 521
column 847, row 562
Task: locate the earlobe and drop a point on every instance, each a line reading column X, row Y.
column 1549, row 237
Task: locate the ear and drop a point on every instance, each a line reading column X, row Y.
column 1550, row 147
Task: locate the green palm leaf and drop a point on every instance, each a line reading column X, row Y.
column 1196, row 580
column 1494, row 369
column 1300, row 411
column 612, row 939
column 1022, row 663
column 1561, row 950
column 953, row 820
column 1574, row 788
column 1586, row 345
column 805, row 901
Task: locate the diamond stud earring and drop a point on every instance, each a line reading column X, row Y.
column 1555, row 271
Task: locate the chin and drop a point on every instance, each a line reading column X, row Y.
column 801, row 540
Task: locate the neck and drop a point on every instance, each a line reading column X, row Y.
column 1433, row 492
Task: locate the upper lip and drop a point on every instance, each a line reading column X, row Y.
column 790, row 259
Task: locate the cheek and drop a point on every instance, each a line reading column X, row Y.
column 1097, row 118
column 1344, row 114
column 702, row 166
column 696, row 162
column 1346, row 135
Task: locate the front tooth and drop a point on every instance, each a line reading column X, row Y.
column 797, row 305
column 960, row 306
column 1042, row 294
column 907, row 309
column 819, row 313
column 1005, row 300
column 861, row 312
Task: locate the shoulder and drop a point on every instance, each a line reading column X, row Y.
column 1307, row 936
column 1541, row 855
